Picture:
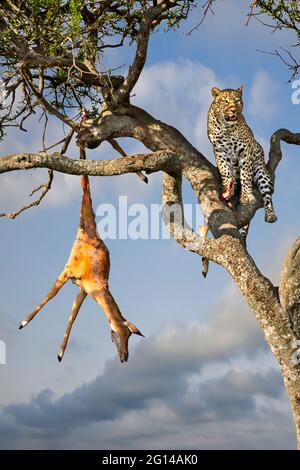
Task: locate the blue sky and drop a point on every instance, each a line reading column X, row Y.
column 202, row 377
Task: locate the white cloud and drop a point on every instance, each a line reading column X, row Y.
column 262, row 98
column 155, row 400
column 15, row 187
column 179, row 93
column 229, row 25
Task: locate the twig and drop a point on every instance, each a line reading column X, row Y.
column 46, row 104
column 294, row 66
column 206, row 8
column 67, row 141
column 46, row 186
column 122, row 152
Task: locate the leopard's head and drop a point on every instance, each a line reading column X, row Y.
column 227, row 104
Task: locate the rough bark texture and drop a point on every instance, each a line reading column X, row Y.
column 289, row 287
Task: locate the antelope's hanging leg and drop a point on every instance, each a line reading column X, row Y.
column 74, row 312
column 60, row 281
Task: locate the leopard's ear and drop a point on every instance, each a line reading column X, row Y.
column 240, row 90
column 215, row 91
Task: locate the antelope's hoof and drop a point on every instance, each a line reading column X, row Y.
column 22, row 324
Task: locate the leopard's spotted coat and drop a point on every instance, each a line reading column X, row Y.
column 238, row 155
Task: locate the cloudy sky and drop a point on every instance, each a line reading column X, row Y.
column 203, row 377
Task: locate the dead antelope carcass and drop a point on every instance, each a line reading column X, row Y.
column 88, row 267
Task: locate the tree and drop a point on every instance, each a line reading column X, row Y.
column 51, row 53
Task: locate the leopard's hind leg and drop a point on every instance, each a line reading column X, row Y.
column 264, row 183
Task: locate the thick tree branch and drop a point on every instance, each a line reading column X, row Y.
column 54, row 161
column 173, row 216
column 229, row 251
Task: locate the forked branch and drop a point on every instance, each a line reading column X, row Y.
column 45, row 187
column 275, row 153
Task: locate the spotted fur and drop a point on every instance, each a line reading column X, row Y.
column 238, row 155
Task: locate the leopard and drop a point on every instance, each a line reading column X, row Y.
column 239, row 157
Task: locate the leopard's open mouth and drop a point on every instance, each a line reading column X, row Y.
column 231, row 118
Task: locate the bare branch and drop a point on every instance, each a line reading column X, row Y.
column 46, row 187
column 67, row 141
column 122, row 152
column 206, row 7
column 131, row 164
column 290, row 61
column 29, row 57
